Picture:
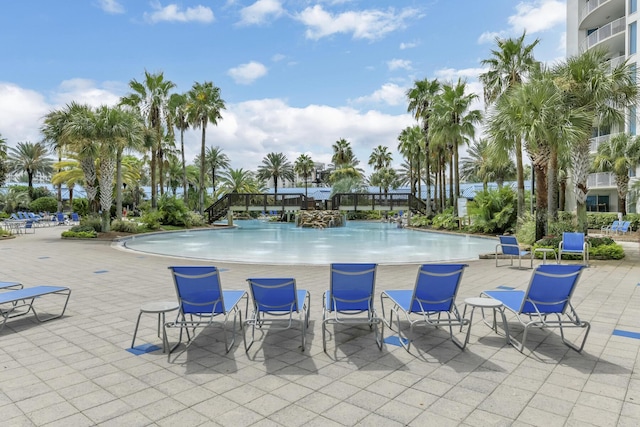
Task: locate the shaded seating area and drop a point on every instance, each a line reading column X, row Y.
column 278, row 304
column 574, row 243
column 510, row 247
column 349, row 300
column 546, row 303
column 430, row 303
column 12, row 301
column 202, row 300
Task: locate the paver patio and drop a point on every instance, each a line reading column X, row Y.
column 76, row 370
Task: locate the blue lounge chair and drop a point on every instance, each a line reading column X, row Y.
column 10, row 286
column 433, row 296
column 625, row 227
column 510, row 247
column 349, row 299
column 29, row 224
column 201, row 298
column 574, row 243
column 611, row 228
column 12, row 301
column 275, row 302
column 61, row 219
column 547, row 297
column 75, row 218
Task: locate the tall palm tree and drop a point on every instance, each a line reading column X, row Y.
column 3, row 156
column 385, row 178
column 454, row 122
column 380, row 158
column 604, row 93
column 477, row 167
column 52, row 130
column 204, row 107
column 178, row 110
column 68, row 173
column 508, row 66
column 216, row 161
column 150, row 98
column 30, row 158
column 276, row 166
column 238, row 181
column 342, row 153
column 303, row 166
column 421, row 97
column 619, row 154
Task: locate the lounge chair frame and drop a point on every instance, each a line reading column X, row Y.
column 274, row 311
column 533, row 311
column 26, row 297
column 442, row 280
column 203, row 312
column 351, row 294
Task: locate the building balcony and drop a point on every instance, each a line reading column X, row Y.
column 597, row 141
column 596, row 12
column 601, row 180
column 612, row 33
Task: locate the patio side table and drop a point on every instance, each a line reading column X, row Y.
column 544, row 252
column 482, row 303
column 159, row 308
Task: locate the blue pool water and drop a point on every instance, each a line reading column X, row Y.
column 255, row 241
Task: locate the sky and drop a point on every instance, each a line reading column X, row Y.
column 295, row 75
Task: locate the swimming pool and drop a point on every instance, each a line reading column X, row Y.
column 254, row 241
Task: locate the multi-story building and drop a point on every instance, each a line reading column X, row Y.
column 612, row 25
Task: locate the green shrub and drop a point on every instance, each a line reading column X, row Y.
column 612, row 251
column 526, row 233
column 634, row 218
column 124, row 226
column 151, row 220
column 599, row 248
column 420, row 221
column 197, row 220
column 39, row 192
column 44, row 204
column 173, row 211
column 80, row 234
column 597, row 220
column 445, row 220
column 493, row 211
column 92, row 221
column 81, row 206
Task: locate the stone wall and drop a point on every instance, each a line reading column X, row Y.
column 319, row 219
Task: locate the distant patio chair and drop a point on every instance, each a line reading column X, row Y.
column 574, row 243
column 510, row 247
column 624, row 227
column 611, row 228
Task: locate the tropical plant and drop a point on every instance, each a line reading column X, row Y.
column 29, row 158
column 276, row 166
column 203, row 107
column 619, row 154
column 216, row 161
column 3, row 157
column 303, row 166
column 178, row 112
column 238, row 181
column 509, row 66
column 15, row 198
column 493, row 211
column 348, row 184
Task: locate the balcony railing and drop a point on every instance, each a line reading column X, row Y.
column 597, row 141
column 590, row 7
column 601, row 179
column 604, row 32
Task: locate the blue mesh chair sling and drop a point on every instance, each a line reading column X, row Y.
column 202, row 300
column 510, row 247
column 277, row 303
column 546, row 303
column 611, row 228
column 574, row 243
column 349, row 300
column 430, row 303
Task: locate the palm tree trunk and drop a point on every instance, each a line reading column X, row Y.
column 154, row 190
column 457, row 180
column 552, row 179
column 184, row 168
column 520, row 178
column 622, row 182
column 427, row 167
column 202, row 184
column 119, row 184
column 541, row 201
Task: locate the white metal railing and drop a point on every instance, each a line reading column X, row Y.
column 601, row 179
column 590, row 6
column 614, row 62
column 604, row 32
column 595, row 142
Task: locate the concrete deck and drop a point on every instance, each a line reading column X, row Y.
column 76, row 370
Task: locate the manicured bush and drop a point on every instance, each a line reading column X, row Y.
column 44, row 204
column 420, row 221
column 151, row 220
column 124, row 226
column 80, row 234
column 445, row 220
column 92, row 221
column 493, row 211
column 81, row 206
column 599, row 248
column 173, row 211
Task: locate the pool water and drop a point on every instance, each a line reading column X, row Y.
column 255, row 241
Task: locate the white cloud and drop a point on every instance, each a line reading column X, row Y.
column 539, row 15
column 490, row 36
column 397, row 64
column 409, row 45
column 260, row 12
column 21, row 113
column 366, row 24
column 278, row 57
column 173, row 13
column 389, row 93
column 451, row 74
column 83, row 91
column 111, row 6
column 247, row 73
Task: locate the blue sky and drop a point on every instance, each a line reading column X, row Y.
column 296, row 75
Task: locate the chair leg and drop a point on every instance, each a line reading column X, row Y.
column 135, row 331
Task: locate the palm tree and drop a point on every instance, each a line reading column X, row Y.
column 150, row 99
column 275, row 166
column 454, row 123
column 421, row 97
column 68, row 173
column 216, row 160
column 30, row 158
column 203, row 107
column 347, row 184
column 619, row 154
column 509, row 65
column 380, row 158
column 238, row 181
column 385, row 178
column 411, row 140
column 52, row 130
column 303, row 167
column 342, row 153
column 604, row 93
column 178, row 111
column 3, row 156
